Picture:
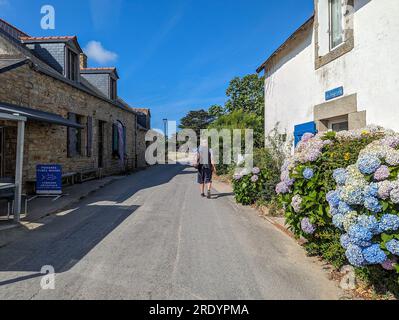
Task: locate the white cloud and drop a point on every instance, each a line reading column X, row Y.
column 95, row 51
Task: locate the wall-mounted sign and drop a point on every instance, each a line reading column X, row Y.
column 334, row 93
column 49, row 179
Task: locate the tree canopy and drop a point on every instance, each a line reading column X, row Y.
column 196, row 120
column 246, row 93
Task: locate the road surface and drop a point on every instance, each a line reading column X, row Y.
column 151, row 236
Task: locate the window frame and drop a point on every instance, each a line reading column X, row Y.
column 112, row 88
column 71, row 65
column 337, row 121
column 334, row 46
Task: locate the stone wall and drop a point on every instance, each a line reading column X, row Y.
column 47, row 143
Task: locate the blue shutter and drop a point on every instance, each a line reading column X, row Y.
column 89, row 136
column 301, row 129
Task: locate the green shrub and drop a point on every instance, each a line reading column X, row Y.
column 246, row 191
column 337, row 153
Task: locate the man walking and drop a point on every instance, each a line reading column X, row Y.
column 206, row 168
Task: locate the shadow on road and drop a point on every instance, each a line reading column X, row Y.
column 69, row 236
column 222, row 195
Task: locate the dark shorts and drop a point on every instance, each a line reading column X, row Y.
column 204, row 175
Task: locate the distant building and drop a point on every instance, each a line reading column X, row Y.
column 338, row 71
column 75, row 117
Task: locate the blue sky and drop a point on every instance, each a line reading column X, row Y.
column 172, row 55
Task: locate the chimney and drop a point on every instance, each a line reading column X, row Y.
column 83, row 61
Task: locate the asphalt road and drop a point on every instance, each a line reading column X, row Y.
column 151, row 236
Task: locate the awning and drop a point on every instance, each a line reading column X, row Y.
column 10, row 64
column 37, row 115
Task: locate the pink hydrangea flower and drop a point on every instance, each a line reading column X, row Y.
column 382, row 173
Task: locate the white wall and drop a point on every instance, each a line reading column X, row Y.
column 289, row 87
column 371, row 70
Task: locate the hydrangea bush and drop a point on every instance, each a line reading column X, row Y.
column 365, row 205
column 307, row 179
column 247, row 185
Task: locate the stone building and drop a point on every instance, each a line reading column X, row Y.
column 143, row 125
column 338, row 71
column 75, row 117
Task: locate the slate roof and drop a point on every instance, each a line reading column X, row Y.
column 100, row 70
column 13, row 35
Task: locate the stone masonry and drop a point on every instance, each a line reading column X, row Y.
column 47, row 143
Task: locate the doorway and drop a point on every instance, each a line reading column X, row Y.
column 2, row 151
column 101, row 126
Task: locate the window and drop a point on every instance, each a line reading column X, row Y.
column 336, row 23
column 118, row 140
column 74, row 137
column 72, row 65
column 339, row 124
column 113, row 93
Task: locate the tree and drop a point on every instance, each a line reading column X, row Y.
column 247, row 93
column 216, row 111
column 239, row 119
column 197, row 121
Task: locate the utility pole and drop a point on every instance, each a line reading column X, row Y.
column 165, row 123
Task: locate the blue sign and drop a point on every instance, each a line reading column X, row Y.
column 49, row 179
column 334, row 93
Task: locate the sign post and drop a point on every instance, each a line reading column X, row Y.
column 49, row 180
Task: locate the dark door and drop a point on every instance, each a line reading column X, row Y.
column 101, row 126
column 2, row 155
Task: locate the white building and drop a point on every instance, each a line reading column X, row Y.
column 339, row 70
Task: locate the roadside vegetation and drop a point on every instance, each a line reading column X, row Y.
column 337, row 191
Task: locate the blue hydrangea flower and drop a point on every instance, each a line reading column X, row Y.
column 338, row 221
column 333, row 211
column 368, row 164
column 345, row 241
column 340, row 176
column 344, row 208
column 389, row 222
column 393, row 247
column 308, row 173
column 354, row 196
column 371, row 190
column 370, row 223
column 373, row 204
column 359, row 233
column 333, row 198
column 355, row 256
column 374, row 254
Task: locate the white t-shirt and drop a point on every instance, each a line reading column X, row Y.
column 204, row 153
